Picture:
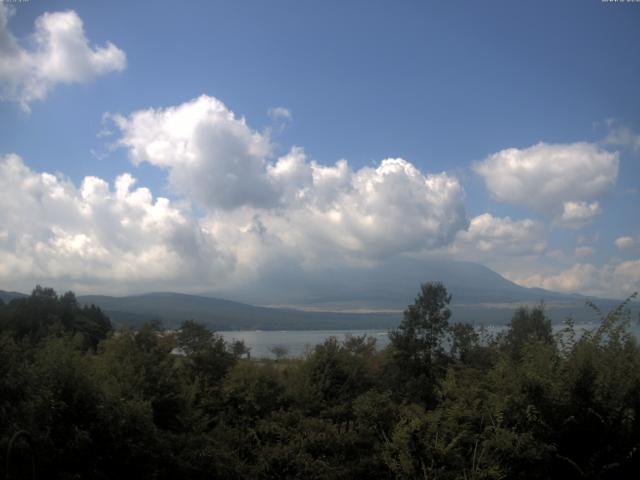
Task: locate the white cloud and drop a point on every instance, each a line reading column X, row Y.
column 623, row 243
column 578, row 214
column 499, row 236
column 340, row 216
column 551, row 178
column 255, row 214
column 395, row 208
column 613, row 280
column 627, row 276
column 58, row 52
column 580, row 278
column 97, row 236
column 621, row 136
column 215, row 159
column 280, row 113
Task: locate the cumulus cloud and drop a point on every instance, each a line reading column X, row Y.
column 397, row 207
column 255, row 213
column 562, row 180
column 625, row 242
column 500, row 236
column 110, row 237
column 580, row 278
column 578, row 214
column 216, row 160
column 212, row 156
column 627, row 276
column 57, row 52
column 613, row 280
column 346, row 217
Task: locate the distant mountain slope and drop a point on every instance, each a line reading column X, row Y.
column 8, row 296
column 389, row 285
column 480, row 295
column 174, row 308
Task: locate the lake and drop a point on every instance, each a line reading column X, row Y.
column 297, row 342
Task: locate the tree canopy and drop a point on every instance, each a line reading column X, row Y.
column 79, row 399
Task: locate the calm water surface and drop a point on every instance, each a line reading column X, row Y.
column 297, row 342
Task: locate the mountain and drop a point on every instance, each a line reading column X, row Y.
column 6, row 297
column 345, row 298
column 350, row 298
column 173, row 308
column 389, row 285
column 479, row 294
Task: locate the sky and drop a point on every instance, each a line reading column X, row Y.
column 199, row 145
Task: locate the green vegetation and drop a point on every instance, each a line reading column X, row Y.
column 442, row 401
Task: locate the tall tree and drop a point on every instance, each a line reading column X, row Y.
column 528, row 326
column 417, row 342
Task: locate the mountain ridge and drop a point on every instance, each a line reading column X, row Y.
column 391, row 284
column 355, row 299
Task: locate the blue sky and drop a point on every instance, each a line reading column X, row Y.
column 442, row 85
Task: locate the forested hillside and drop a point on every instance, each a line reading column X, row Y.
column 79, row 399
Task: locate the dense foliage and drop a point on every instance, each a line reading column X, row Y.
column 442, row 401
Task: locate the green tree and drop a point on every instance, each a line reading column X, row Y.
column 44, row 312
column 338, row 372
column 194, row 337
column 463, row 340
column 528, row 326
column 416, row 345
